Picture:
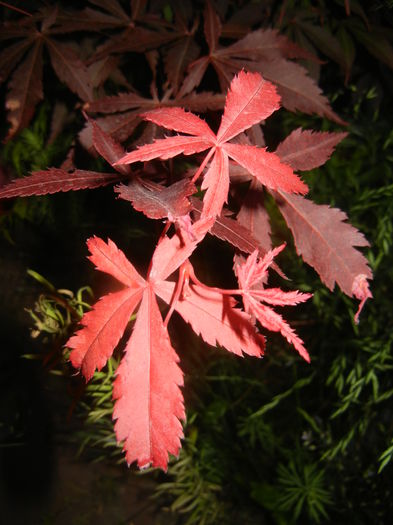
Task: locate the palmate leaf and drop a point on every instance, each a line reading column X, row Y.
column 249, row 100
column 25, row 87
column 265, row 51
column 148, row 400
column 251, row 273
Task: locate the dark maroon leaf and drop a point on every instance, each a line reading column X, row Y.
column 134, row 39
column 54, row 180
column 113, row 7
column 299, row 92
column 254, row 217
column 25, row 90
column 10, row 57
column 212, row 27
column 108, row 148
column 228, row 229
column 120, row 126
column 118, row 103
column 325, row 41
column 177, row 57
column 137, row 8
column 375, row 43
column 101, row 70
column 70, row 69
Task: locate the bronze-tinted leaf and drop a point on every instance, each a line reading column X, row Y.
column 54, row 180
column 156, row 201
column 325, row 240
column 25, row 90
column 70, row 69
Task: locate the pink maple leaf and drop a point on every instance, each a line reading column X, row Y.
column 251, row 274
column 148, row 400
column 250, row 99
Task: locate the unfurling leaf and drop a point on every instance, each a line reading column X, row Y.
column 361, row 291
column 156, row 201
column 251, row 273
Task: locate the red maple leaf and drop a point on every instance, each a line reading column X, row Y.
column 250, row 99
column 149, row 403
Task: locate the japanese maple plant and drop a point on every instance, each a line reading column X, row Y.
column 203, row 198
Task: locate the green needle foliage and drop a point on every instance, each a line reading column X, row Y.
column 302, row 490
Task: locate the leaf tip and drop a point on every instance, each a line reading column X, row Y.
column 361, row 291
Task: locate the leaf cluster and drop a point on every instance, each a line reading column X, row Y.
column 240, row 187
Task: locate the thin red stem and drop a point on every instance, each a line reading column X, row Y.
column 224, row 291
column 202, row 166
column 183, row 277
column 186, row 272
